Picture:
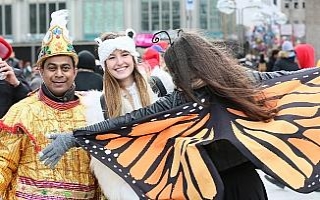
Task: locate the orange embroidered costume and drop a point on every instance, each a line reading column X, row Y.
column 22, row 136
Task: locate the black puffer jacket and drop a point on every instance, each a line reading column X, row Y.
column 223, row 154
column 286, row 64
column 10, row 95
column 86, row 80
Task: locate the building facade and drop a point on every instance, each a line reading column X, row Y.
column 24, row 22
column 295, row 28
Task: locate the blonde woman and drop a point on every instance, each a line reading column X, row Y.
column 125, row 89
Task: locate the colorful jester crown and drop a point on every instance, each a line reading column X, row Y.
column 57, row 40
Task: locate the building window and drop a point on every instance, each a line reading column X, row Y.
column 214, row 22
column 43, row 22
column 286, row 5
column 203, row 14
column 107, row 16
column 160, row 15
column 165, row 15
column 155, row 15
column 296, row 5
column 144, row 16
column 275, row 2
column 39, row 17
column 303, row 5
column 6, row 20
column 33, row 18
column 176, row 15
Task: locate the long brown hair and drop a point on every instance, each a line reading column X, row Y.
column 192, row 57
column 112, row 88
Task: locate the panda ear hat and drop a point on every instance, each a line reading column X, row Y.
column 123, row 42
column 131, row 33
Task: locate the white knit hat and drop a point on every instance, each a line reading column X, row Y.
column 125, row 43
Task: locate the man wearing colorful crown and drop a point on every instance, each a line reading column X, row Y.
column 55, row 107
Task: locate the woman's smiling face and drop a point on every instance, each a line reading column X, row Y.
column 120, row 64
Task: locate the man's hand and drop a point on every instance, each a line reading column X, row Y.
column 8, row 73
column 59, row 146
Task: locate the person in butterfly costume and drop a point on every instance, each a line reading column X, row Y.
column 202, row 141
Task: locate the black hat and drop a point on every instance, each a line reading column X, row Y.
column 86, row 60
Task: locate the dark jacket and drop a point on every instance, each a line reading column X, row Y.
column 86, row 80
column 286, row 64
column 10, row 95
column 223, row 154
column 270, row 64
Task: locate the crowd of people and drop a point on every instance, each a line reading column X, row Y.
column 287, row 57
column 45, row 118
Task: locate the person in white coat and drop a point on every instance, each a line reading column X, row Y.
column 125, row 89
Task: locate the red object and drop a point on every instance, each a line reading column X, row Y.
column 163, row 44
column 305, row 55
column 5, row 49
column 152, row 57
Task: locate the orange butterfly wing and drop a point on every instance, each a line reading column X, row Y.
column 288, row 147
column 161, row 155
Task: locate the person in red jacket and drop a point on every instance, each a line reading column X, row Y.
column 305, row 55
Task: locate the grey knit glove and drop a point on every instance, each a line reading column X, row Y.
column 61, row 143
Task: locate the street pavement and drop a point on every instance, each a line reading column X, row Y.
column 276, row 193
